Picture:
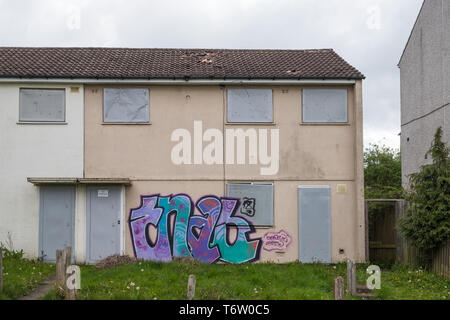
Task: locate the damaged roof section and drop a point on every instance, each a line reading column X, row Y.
column 134, row 63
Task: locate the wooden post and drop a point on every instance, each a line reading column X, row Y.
column 60, row 273
column 69, row 294
column 366, row 229
column 351, row 277
column 68, row 257
column 1, row 269
column 339, row 288
column 400, row 207
column 191, row 287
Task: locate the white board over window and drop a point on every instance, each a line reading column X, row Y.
column 126, row 105
column 46, row 105
column 249, row 105
column 324, row 106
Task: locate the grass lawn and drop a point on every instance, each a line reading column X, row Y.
column 21, row 276
column 151, row 280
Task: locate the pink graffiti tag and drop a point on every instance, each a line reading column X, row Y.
column 276, row 241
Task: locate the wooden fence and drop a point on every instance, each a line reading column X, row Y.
column 405, row 252
column 441, row 261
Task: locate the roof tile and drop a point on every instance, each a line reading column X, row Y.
column 135, row 63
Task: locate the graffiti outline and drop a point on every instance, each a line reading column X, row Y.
column 204, row 236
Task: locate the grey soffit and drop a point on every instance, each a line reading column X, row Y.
column 38, row 181
column 155, row 63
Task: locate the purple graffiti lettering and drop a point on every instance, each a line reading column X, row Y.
column 210, row 209
column 140, row 220
column 204, row 236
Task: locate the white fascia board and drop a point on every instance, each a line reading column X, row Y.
column 181, row 81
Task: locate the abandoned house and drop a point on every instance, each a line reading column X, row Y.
column 222, row 155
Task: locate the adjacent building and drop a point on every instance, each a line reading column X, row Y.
column 223, row 155
column 425, row 85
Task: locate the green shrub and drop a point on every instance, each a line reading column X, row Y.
column 427, row 223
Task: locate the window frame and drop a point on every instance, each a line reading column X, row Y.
column 63, row 121
column 251, row 183
column 227, row 121
column 347, row 109
column 125, row 122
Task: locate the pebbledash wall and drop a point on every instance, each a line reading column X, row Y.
column 310, row 154
column 34, row 149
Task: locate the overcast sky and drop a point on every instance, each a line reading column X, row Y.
column 369, row 34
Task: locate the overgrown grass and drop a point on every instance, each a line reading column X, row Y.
column 152, row 281
column 21, row 276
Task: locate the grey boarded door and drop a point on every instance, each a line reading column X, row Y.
column 314, row 224
column 56, row 220
column 103, row 210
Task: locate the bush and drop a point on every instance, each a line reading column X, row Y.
column 427, row 223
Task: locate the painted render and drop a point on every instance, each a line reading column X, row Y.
column 35, row 150
column 310, row 154
column 84, row 151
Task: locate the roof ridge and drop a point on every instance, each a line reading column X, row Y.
column 164, row 48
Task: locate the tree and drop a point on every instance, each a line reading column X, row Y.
column 382, row 173
column 427, row 223
column 382, row 179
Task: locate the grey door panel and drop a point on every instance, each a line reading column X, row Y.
column 103, row 209
column 56, row 220
column 314, row 224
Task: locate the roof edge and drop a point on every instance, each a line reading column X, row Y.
column 181, row 81
column 410, row 34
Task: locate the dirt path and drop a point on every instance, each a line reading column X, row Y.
column 41, row 290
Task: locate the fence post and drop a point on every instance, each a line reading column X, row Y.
column 191, row 287
column 69, row 294
column 68, row 257
column 366, row 228
column 339, row 288
column 60, row 273
column 351, row 277
column 399, row 212
column 1, row 269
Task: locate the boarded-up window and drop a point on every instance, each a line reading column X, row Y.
column 256, row 201
column 249, row 105
column 42, row 105
column 126, row 105
column 324, row 106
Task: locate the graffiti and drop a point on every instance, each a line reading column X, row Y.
column 248, row 206
column 181, row 233
column 277, row 241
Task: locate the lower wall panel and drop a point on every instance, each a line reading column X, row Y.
column 278, row 243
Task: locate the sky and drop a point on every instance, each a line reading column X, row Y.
column 369, row 34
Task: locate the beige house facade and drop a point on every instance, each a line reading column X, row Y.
column 259, row 164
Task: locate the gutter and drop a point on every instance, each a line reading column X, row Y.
column 71, row 180
column 182, row 81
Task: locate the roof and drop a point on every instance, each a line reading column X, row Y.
column 147, row 63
